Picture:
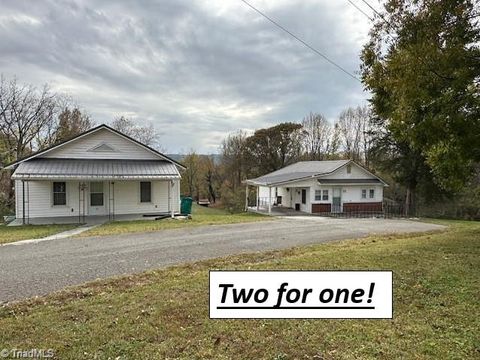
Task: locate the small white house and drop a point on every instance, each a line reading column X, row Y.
column 100, row 173
column 340, row 186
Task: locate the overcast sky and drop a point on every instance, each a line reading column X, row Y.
column 197, row 70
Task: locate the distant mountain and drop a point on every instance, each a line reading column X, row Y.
column 180, row 157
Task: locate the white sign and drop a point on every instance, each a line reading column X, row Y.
column 301, row 294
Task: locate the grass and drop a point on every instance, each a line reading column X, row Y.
column 15, row 233
column 200, row 216
column 164, row 313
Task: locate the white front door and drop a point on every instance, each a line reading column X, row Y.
column 96, row 200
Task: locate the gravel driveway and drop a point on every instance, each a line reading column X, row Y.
column 39, row 268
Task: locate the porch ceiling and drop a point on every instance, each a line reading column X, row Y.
column 79, row 169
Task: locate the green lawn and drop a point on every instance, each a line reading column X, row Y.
column 164, row 313
column 200, row 216
column 16, row 233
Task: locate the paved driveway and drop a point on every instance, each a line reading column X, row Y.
column 39, row 268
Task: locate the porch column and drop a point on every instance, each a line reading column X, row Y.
column 258, row 198
column 23, row 202
column 170, row 191
column 246, row 197
column 269, row 199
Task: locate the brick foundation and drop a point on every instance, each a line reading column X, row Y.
column 321, row 208
column 359, row 207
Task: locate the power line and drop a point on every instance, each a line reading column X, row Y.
column 301, row 41
column 363, row 12
column 376, row 12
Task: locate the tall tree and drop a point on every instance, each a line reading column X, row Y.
column 317, row 137
column 25, row 113
column 273, row 148
column 146, row 134
column 191, row 176
column 422, row 65
column 71, row 122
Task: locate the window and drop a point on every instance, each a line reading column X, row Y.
column 372, row 193
column 325, row 195
column 145, row 191
column 318, row 195
column 59, row 193
column 304, row 196
column 364, row 193
column 96, row 194
column 349, row 169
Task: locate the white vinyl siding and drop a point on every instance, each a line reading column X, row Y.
column 127, row 198
column 82, row 148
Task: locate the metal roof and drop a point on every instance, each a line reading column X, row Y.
column 298, row 171
column 349, row 181
column 95, row 169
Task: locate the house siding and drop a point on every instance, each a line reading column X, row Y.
column 80, row 148
column 127, row 198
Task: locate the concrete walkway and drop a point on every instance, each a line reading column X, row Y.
column 42, row 267
column 61, row 235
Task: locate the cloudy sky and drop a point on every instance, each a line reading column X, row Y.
column 197, row 70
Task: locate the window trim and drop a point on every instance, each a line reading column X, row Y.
column 140, row 192
column 319, row 196
column 325, row 195
column 364, row 191
column 57, row 192
column 92, row 193
column 371, row 194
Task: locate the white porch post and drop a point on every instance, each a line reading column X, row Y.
column 258, row 198
column 170, row 191
column 269, row 199
column 246, row 197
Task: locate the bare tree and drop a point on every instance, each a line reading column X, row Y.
column 317, row 136
column 25, row 112
column 145, row 134
column 350, row 131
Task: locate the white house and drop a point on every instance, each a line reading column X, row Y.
column 340, row 186
column 101, row 172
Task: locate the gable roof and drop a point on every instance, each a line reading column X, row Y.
column 88, row 132
column 304, row 170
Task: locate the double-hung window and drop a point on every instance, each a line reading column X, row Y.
column 145, row 192
column 59, row 193
column 364, row 193
column 325, row 195
column 372, row 193
column 318, row 195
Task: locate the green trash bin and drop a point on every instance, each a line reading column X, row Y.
column 186, row 205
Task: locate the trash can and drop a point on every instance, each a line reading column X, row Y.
column 186, row 205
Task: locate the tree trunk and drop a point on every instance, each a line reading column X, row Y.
column 410, row 201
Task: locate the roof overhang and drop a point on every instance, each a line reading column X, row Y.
column 82, row 169
column 292, row 178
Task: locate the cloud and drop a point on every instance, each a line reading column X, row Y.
column 197, row 70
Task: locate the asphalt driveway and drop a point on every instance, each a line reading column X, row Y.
column 39, row 268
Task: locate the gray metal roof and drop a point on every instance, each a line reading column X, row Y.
column 95, row 169
column 297, row 171
column 349, row 181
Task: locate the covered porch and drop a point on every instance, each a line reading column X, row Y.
column 60, row 191
column 288, row 199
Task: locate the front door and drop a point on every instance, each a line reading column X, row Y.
column 96, row 199
column 337, row 200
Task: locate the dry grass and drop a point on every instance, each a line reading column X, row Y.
column 16, row 233
column 200, row 216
